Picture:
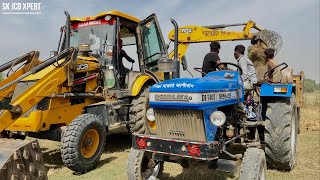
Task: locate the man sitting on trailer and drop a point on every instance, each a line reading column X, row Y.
column 273, row 76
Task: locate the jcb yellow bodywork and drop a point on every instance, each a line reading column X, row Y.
column 49, row 82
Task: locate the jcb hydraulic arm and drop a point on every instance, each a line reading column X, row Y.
column 44, row 87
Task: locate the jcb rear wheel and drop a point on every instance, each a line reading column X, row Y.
column 83, row 143
column 137, row 114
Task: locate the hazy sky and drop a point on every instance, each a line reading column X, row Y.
column 296, row 21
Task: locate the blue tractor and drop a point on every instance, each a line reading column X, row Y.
column 198, row 119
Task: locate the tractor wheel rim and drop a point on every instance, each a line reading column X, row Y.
column 89, row 143
column 152, row 173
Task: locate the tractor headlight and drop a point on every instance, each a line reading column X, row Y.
column 150, row 115
column 218, row 118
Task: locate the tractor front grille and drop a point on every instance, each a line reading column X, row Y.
column 180, row 124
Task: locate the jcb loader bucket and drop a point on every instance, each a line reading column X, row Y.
column 21, row 159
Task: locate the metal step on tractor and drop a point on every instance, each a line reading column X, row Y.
column 77, row 94
column 197, row 119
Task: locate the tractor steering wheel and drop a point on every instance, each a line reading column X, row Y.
column 226, row 63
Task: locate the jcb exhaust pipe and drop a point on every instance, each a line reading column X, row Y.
column 41, row 66
column 176, row 73
column 16, row 61
column 67, row 42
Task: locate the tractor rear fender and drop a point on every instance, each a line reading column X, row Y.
column 277, row 90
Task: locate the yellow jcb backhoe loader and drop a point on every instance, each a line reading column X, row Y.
column 78, row 87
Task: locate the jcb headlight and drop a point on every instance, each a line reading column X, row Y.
column 150, row 115
column 218, row 118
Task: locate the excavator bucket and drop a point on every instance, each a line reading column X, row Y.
column 21, row 159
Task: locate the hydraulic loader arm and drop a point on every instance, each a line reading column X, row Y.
column 45, row 87
column 30, row 60
column 201, row 34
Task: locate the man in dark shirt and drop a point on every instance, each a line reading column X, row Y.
column 212, row 58
column 120, row 67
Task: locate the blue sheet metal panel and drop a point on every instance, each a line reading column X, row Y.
column 211, row 129
column 213, row 82
column 268, row 90
column 193, row 106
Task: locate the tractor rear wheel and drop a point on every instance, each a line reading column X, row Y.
column 83, row 143
column 281, row 128
column 141, row 166
column 137, row 114
column 253, row 166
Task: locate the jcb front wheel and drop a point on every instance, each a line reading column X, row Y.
column 141, row 166
column 83, row 143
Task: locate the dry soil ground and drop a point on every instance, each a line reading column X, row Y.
column 114, row 160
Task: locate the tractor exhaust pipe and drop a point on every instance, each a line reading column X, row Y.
column 176, row 73
column 67, row 40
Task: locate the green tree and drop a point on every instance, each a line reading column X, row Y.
column 310, row 85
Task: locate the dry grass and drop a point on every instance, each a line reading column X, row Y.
column 310, row 120
column 114, row 160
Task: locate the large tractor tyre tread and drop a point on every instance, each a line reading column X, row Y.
column 253, row 166
column 280, row 147
column 135, row 163
column 137, row 112
column 71, row 153
column 21, row 160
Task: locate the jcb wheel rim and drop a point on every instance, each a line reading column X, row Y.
column 89, row 143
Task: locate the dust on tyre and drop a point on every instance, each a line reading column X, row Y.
column 281, row 128
column 137, row 114
column 83, row 143
column 139, row 166
column 253, row 166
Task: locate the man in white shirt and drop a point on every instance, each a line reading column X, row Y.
column 249, row 75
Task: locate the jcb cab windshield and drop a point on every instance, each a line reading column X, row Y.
column 93, row 33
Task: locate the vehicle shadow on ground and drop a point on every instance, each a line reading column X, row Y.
column 117, row 141
column 52, row 159
column 200, row 172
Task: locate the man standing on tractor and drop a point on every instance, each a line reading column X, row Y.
column 249, row 75
column 122, row 70
column 212, row 58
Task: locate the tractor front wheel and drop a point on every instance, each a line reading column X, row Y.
column 142, row 166
column 83, row 143
column 253, row 165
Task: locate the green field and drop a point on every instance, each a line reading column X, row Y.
column 114, row 160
